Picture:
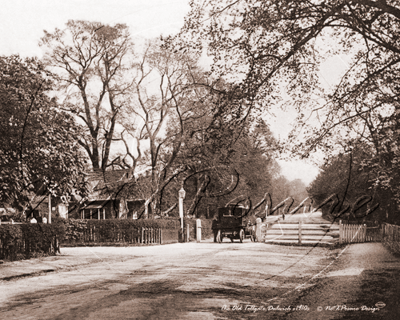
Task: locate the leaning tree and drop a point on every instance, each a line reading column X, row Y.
column 264, row 46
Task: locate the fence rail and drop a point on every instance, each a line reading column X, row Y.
column 299, row 232
column 358, row 233
column 27, row 248
column 352, row 233
column 93, row 235
column 391, row 237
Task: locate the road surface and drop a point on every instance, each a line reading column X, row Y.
column 206, row 281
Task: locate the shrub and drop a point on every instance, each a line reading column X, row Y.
column 29, row 239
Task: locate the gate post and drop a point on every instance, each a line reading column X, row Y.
column 198, row 230
column 258, row 229
column 300, row 224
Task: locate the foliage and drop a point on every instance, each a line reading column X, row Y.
column 30, row 239
column 278, row 44
column 37, row 154
column 239, row 165
column 347, row 176
column 115, row 230
column 182, row 106
column 124, row 223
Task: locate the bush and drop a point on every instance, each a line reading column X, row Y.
column 114, row 230
column 128, row 231
column 25, row 240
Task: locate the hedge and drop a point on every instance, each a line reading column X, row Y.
column 82, row 231
column 26, row 240
column 106, row 232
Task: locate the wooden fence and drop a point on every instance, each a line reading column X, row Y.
column 312, row 233
column 298, row 232
column 27, row 248
column 358, row 233
column 142, row 235
column 391, row 237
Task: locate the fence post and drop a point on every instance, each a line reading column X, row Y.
column 365, row 233
column 198, row 230
column 142, row 239
column 300, row 224
column 258, row 230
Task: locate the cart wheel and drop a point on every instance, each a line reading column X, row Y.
column 219, row 237
column 241, row 235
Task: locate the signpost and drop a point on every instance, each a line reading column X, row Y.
column 182, row 194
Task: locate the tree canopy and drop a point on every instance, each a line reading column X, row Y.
column 266, row 46
column 90, row 62
column 38, row 149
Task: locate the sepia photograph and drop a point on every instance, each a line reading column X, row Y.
column 200, row 159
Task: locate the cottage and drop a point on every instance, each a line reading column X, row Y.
column 111, row 196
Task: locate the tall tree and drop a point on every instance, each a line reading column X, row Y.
column 278, row 43
column 90, row 60
column 226, row 164
column 347, row 176
column 38, row 148
column 165, row 90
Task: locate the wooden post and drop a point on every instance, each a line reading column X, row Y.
column 365, row 233
column 300, row 224
column 98, row 213
column 187, row 232
column 198, row 230
column 258, row 230
column 49, row 221
column 104, row 213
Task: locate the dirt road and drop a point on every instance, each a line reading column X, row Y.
column 204, row 281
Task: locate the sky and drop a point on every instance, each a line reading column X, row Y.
column 23, row 22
